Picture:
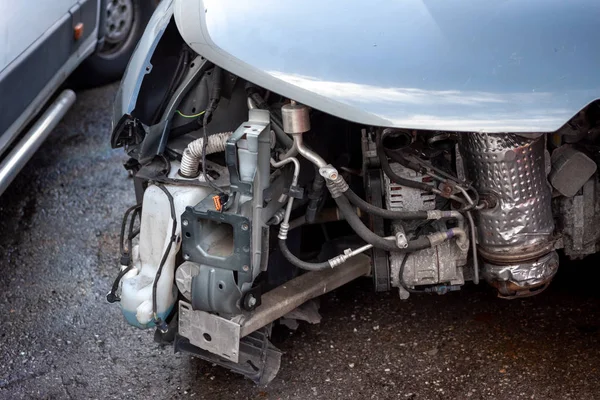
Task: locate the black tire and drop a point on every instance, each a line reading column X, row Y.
column 108, row 63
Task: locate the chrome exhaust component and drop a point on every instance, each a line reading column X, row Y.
column 18, row 157
column 509, row 172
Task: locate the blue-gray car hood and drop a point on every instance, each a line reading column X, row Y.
column 504, row 66
column 471, row 65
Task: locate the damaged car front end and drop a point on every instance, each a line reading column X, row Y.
column 280, row 151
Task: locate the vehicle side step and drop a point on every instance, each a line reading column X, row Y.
column 27, row 146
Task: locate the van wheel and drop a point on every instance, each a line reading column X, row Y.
column 125, row 23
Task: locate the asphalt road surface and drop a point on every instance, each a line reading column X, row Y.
column 59, row 226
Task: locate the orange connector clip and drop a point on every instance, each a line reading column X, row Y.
column 217, row 201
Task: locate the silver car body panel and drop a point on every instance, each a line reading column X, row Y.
column 424, row 64
column 139, row 64
column 85, row 49
column 24, row 22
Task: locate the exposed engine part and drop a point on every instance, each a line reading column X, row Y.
column 372, row 181
column 579, row 219
column 285, row 226
column 192, row 155
column 438, row 266
column 374, row 191
column 510, row 171
column 295, row 127
column 242, row 153
column 224, row 337
column 227, row 245
column 295, row 118
column 570, row 170
column 219, row 243
column 403, row 198
column 527, row 278
column 205, row 237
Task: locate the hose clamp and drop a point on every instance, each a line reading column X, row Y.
column 283, row 231
column 439, row 237
column 435, row 214
column 338, row 260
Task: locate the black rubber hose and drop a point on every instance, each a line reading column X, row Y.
column 400, row 159
column 381, row 212
column 298, row 262
column 393, row 176
column 368, row 236
column 159, row 322
column 401, row 277
column 315, row 196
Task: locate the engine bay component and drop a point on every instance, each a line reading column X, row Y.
column 523, row 279
column 510, row 170
column 579, row 219
column 571, row 169
column 148, row 292
column 192, row 155
column 400, row 197
column 252, row 204
column 440, row 266
column 295, row 118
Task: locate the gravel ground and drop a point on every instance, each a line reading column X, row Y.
column 59, row 226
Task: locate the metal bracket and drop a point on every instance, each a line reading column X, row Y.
column 296, row 192
column 259, row 360
column 210, row 332
column 204, row 214
column 258, row 124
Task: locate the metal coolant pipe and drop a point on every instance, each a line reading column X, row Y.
column 515, row 231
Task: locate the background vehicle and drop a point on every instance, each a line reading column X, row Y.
column 450, row 146
column 43, row 42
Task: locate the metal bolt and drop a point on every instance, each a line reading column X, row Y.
column 185, row 222
column 251, row 301
column 246, row 268
column 186, row 256
column 244, row 227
